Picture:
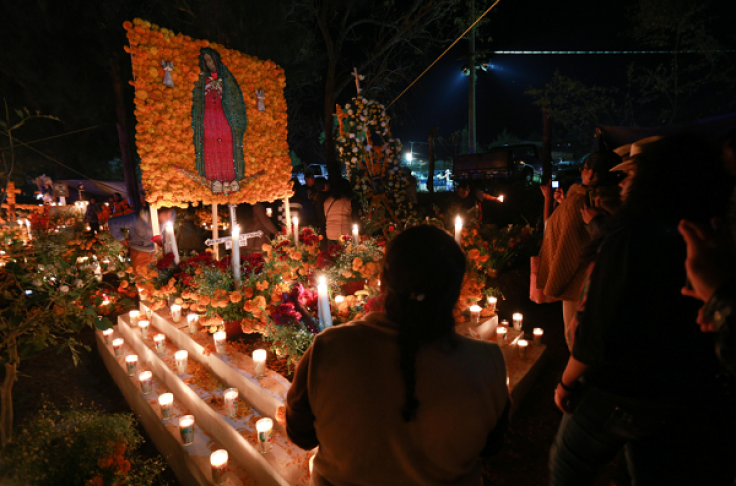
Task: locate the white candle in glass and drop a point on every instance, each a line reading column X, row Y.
column 181, row 359
column 323, row 304
column 135, row 316
column 193, row 320
column 149, row 313
column 459, row 230
column 259, row 361
column 171, row 237
column 500, row 198
column 218, row 461
column 518, row 321
column 230, row 397
column 295, row 220
column 269, row 212
column 355, row 235
column 167, row 405
column 117, row 347
column 236, row 253
column 131, row 364
column 159, row 340
column 220, row 337
column 186, row 429
column 501, row 335
column 176, row 313
column 28, row 229
column 146, row 379
column 107, row 335
column 492, row 301
column 475, row 313
column 264, row 427
column 143, row 325
column 538, row 333
column 522, row 344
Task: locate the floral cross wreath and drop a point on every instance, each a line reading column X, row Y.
column 371, row 155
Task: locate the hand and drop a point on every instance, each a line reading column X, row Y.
column 559, row 195
column 562, row 398
column 589, row 213
column 711, row 257
column 705, row 325
column 546, row 190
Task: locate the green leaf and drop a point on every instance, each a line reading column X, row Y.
column 103, row 323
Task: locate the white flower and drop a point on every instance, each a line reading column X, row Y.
column 355, row 150
column 350, row 112
column 121, row 274
column 78, row 283
column 64, row 289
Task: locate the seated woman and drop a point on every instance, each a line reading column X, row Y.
column 399, row 398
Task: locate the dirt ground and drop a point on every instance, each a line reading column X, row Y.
column 522, row 462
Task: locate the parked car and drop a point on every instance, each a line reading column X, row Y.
column 514, row 162
column 319, row 171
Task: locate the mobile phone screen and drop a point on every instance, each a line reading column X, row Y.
column 555, row 184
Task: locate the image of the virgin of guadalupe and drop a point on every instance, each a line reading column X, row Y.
column 219, row 122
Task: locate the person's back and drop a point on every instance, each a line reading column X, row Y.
column 338, row 208
column 358, row 395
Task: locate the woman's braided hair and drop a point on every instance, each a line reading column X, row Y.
column 422, row 275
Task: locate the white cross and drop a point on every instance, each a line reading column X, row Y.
column 358, row 78
column 228, row 240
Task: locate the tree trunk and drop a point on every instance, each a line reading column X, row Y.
column 131, row 181
column 6, row 397
column 546, row 145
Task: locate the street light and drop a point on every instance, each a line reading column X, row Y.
column 409, row 157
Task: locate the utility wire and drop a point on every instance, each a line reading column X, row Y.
column 446, row 50
column 57, row 136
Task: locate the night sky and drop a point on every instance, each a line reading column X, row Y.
column 441, row 97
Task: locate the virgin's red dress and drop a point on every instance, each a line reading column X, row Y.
column 218, row 136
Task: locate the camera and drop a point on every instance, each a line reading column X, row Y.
column 555, row 184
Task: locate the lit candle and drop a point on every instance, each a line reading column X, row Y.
column 135, row 317
column 355, row 235
column 131, row 363
column 295, row 220
column 176, row 312
column 230, row 397
column 523, row 343
column 323, row 304
column 171, row 239
column 492, row 301
column 218, row 460
column 259, row 361
column 501, row 335
column 500, row 198
column 236, row 253
column 459, row 230
column 538, row 333
column 159, row 340
column 220, row 337
column 117, row 347
column 143, row 325
column 264, row 427
column 311, row 464
column 504, row 323
column 269, row 212
column 146, row 379
column 339, row 299
column 186, row 429
column 181, row 358
column 28, row 229
column 107, row 335
column 518, row 321
column 149, row 313
column 193, row 320
column 167, row 405
column 475, row 313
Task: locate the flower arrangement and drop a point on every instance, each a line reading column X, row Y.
column 164, row 136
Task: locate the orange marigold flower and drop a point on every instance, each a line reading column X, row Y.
column 129, row 270
column 236, row 297
column 124, row 284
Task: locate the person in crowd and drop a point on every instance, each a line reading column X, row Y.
column 140, row 234
column 261, row 222
column 562, row 267
column 641, row 377
column 552, row 198
column 295, row 204
column 120, row 206
column 189, row 235
column 399, row 397
column 308, row 196
column 90, row 216
column 411, row 185
column 468, row 200
column 341, row 211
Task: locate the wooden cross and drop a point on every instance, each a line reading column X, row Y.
column 358, row 78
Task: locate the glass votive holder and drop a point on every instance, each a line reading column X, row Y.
column 186, row 429
column 135, row 316
column 149, row 313
column 159, row 341
column 538, row 333
column 518, row 321
column 259, row 362
column 193, row 320
column 131, row 364
column 475, row 313
column 264, row 427
column 502, row 334
column 230, row 397
column 167, row 405
column 107, row 336
column 504, row 323
column 218, row 461
column 146, row 379
column 220, row 337
column 181, row 358
column 176, row 312
column 117, row 347
column 143, row 326
column 522, row 344
column 492, row 301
